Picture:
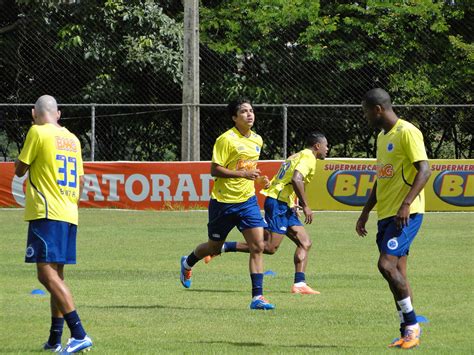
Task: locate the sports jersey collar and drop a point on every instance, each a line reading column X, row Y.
column 236, row 131
column 399, row 121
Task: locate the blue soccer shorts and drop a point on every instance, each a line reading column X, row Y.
column 223, row 217
column 394, row 241
column 51, row 242
column 279, row 216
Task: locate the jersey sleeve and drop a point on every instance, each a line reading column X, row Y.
column 30, row 148
column 221, row 152
column 304, row 165
column 413, row 145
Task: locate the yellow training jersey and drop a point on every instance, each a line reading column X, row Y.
column 234, row 151
column 281, row 187
column 397, row 150
column 52, row 190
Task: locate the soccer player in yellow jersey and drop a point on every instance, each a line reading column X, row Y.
column 402, row 173
column 52, row 157
column 233, row 201
column 281, row 211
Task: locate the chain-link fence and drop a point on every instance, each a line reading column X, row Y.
column 153, row 132
column 310, row 62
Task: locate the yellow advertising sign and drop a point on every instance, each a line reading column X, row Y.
column 345, row 185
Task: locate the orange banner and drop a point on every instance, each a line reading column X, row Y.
column 134, row 185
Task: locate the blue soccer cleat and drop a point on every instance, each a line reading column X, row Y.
column 185, row 275
column 261, row 303
column 52, row 348
column 77, row 345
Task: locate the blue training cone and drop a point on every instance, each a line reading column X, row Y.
column 422, row 319
column 269, row 273
column 38, row 292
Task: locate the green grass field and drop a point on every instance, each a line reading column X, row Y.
column 128, row 294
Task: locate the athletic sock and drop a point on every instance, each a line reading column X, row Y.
column 56, row 331
column 409, row 314
column 257, row 284
column 74, row 323
column 190, row 261
column 402, row 323
column 299, row 277
column 229, row 247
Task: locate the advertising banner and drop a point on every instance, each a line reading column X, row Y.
column 160, row 185
column 345, row 185
column 338, row 185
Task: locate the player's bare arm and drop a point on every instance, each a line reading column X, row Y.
column 421, row 178
column 298, row 185
column 222, row 172
column 81, row 187
column 364, row 216
column 20, row 168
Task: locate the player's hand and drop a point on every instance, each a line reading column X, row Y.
column 308, row 215
column 403, row 216
column 360, row 225
column 263, row 180
column 251, row 174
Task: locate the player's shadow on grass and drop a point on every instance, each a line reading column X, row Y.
column 255, row 344
column 156, row 306
column 213, row 290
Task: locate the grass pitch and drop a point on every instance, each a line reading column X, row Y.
column 127, row 291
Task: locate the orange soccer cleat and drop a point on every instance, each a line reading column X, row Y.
column 411, row 338
column 396, row 343
column 304, row 290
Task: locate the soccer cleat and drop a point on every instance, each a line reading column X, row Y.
column 304, row 290
column 261, row 303
column 52, row 348
column 396, row 343
column 185, row 275
column 77, row 345
column 411, row 339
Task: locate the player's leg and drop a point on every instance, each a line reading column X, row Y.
column 302, row 240
column 394, row 245
column 252, row 225
column 221, row 221
column 272, row 242
column 402, row 267
column 57, row 316
column 50, row 276
column 57, row 321
column 254, row 239
column 51, row 244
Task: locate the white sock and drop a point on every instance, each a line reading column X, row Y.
column 186, row 266
column 256, row 298
column 413, row 326
column 400, row 315
column 405, row 305
column 300, row 284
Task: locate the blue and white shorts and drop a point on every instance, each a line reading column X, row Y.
column 394, row 241
column 51, row 241
column 225, row 216
column 279, row 216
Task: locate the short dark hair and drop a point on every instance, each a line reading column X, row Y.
column 234, row 105
column 376, row 97
column 314, row 137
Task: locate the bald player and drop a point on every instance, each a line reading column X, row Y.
column 402, row 173
column 52, row 157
